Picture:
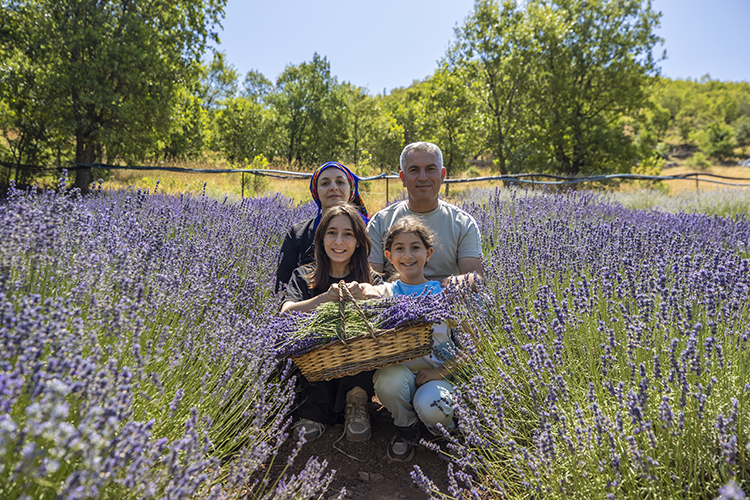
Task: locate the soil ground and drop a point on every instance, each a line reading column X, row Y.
column 374, row 477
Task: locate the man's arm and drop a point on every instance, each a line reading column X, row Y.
column 470, row 269
column 378, row 268
column 468, row 265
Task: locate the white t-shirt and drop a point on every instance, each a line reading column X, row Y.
column 456, row 236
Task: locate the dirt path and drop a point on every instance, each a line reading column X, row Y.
column 374, row 478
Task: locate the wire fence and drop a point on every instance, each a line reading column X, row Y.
column 525, row 178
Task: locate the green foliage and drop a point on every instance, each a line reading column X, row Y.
column 742, row 132
column 651, row 165
column 242, row 129
column 448, row 118
column 600, row 66
column 103, row 73
column 493, row 51
column 256, row 86
column 557, row 78
column 387, row 141
column 698, row 160
column 218, row 82
column 189, row 128
column 717, row 141
column 309, row 106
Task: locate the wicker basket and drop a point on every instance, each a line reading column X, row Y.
column 365, row 352
column 368, row 351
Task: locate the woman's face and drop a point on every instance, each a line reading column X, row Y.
column 339, row 240
column 333, row 187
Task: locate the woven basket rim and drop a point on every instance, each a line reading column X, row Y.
column 378, row 333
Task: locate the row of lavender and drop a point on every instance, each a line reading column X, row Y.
column 136, row 359
column 610, row 354
column 607, row 352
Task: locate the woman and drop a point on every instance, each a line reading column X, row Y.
column 342, row 251
column 331, row 183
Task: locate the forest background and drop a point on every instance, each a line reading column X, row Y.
column 551, row 86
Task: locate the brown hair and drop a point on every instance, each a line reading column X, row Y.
column 411, row 225
column 359, row 265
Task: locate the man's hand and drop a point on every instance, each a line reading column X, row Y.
column 472, row 279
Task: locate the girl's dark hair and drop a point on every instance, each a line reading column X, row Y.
column 320, row 276
column 412, row 225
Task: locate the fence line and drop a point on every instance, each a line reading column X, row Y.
column 519, row 178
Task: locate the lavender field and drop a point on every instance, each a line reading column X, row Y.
column 605, row 357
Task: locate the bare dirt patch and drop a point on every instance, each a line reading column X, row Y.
column 374, row 477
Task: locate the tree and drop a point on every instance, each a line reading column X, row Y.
column 597, row 67
column 448, row 119
column 218, row 81
column 256, row 86
column 189, row 127
column 309, row 107
column 742, row 132
column 493, row 53
column 717, row 141
column 109, row 69
column 386, row 140
column 242, row 129
column 361, row 113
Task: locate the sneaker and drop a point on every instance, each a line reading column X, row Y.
column 402, row 447
column 356, row 417
column 313, row 430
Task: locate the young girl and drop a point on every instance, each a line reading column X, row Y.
column 414, row 389
column 341, row 253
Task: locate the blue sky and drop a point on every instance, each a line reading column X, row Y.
column 390, row 43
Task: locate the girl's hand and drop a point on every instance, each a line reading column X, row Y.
column 332, row 295
column 369, row 291
column 356, row 290
column 424, row 376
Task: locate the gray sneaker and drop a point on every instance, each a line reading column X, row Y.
column 356, row 417
column 313, row 430
column 402, row 447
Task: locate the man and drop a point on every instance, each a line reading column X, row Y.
column 458, row 251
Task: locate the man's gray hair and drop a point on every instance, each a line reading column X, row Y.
column 421, row 147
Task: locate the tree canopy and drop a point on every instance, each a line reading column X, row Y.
column 563, row 86
column 105, row 73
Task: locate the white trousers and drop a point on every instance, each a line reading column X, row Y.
column 431, row 402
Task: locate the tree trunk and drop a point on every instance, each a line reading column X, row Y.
column 86, row 154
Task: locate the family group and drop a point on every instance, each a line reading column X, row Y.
column 416, row 246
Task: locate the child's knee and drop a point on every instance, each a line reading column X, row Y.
column 393, row 379
column 433, row 402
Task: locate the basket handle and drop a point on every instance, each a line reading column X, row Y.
column 342, row 335
column 344, row 291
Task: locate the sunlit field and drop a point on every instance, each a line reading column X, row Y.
column 605, row 355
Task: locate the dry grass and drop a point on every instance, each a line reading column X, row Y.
column 376, row 193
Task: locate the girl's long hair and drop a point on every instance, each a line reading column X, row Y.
column 359, row 265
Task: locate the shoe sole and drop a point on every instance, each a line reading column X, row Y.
column 358, row 438
column 406, row 459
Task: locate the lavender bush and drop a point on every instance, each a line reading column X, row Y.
column 607, row 354
column 136, row 357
